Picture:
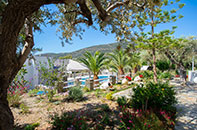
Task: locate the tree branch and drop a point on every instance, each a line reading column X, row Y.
column 101, row 12
column 29, row 42
column 80, row 21
column 126, row 2
column 167, row 53
column 85, row 11
column 73, row 11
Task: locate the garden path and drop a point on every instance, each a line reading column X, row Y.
column 186, row 107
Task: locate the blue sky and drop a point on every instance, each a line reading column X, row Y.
column 49, row 41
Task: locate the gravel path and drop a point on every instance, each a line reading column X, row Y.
column 186, row 107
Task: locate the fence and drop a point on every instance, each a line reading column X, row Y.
column 90, row 83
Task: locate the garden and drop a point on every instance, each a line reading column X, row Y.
column 146, row 105
column 149, row 75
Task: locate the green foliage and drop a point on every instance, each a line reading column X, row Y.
column 24, row 108
column 14, row 95
column 163, row 65
column 66, row 57
column 69, row 121
column 159, row 96
column 48, row 75
column 145, row 120
column 14, row 99
column 118, row 60
column 109, row 96
column 86, row 89
column 33, row 92
column 21, row 76
column 75, row 94
column 165, row 75
column 94, row 62
column 50, row 94
column 123, row 101
column 32, row 126
column 147, row 74
column 105, row 108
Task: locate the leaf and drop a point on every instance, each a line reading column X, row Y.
column 174, row 27
column 165, row 2
column 181, row 5
column 180, row 16
column 173, row 11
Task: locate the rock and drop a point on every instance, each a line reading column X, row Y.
column 124, row 81
column 104, row 85
column 195, row 80
column 137, row 78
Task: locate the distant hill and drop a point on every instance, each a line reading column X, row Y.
column 102, row 48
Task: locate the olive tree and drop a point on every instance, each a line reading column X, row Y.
column 16, row 15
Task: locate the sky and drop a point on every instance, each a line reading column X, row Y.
column 50, row 43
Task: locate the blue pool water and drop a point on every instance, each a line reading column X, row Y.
column 41, row 92
column 83, row 82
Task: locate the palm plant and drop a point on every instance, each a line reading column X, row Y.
column 119, row 60
column 94, row 62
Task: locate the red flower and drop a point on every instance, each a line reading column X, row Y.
column 128, row 78
column 187, row 76
column 141, row 76
column 177, row 76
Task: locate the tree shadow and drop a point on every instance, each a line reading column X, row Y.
column 187, row 111
column 187, row 117
column 96, row 112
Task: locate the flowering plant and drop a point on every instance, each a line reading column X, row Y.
column 14, row 94
column 141, row 76
column 144, row 120
column 177, row 76
column 128, row 78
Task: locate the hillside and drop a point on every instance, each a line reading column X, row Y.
column 102, row 48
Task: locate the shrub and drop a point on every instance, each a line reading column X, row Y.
column 123, row 101
column 154, row 95
column 33, row 92
column 68, row 121
column 165, row 75
column 163, row 65
column 144, row 120
column 32, row 126
column 147, row 74
column 14, row 94
column 109, row 96
column 24, row 108
column 86, row 89
column 75, row 94
column 105, row 108
column 50, row 94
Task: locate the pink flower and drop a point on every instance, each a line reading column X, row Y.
column 148, row 126
column 145, row 123
column 130, row 121
column 128, row 128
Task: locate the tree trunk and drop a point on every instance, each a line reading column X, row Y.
column 6, row 117
column 154, row 66
column 153, row 48
column 95, row 78
column 120, row 71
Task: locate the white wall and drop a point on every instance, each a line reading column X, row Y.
column 32, row 70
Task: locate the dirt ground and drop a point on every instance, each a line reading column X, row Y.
column 40, row 108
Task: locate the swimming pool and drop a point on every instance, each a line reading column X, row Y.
column 84, row 79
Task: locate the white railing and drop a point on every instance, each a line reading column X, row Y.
column 100, row 81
